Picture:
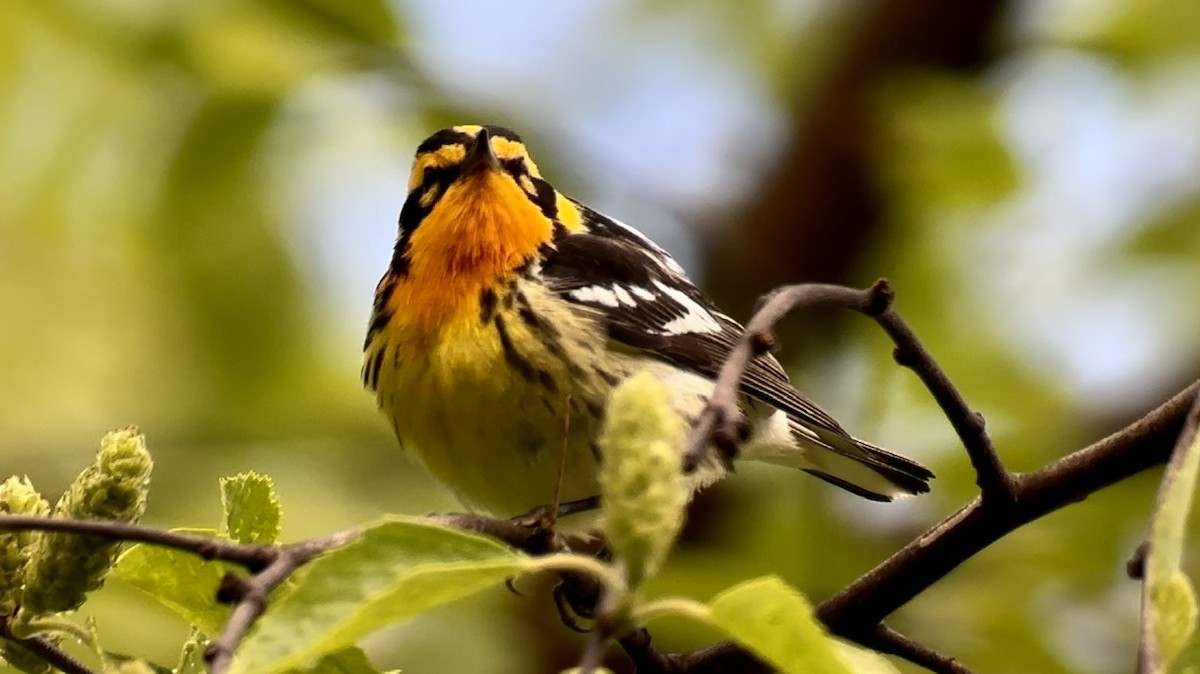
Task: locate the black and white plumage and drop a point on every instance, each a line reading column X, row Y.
column 510, row 312
column 648, row 304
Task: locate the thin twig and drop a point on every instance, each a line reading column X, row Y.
column 888, row 640
column 253, row 557
column 718, row 424
column 993, row 479
column 252, row 601
column 46, row 650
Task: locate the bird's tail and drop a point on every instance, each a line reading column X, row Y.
column 852, row 464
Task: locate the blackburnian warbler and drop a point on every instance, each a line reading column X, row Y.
column 509, row 313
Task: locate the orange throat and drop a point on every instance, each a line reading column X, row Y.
column 477, row 235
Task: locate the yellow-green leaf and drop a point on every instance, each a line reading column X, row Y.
column 393, row 571
column 179, row 580
column 776, row 622
column 252, row 510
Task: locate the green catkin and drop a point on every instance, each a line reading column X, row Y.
column 641, row 478
column 17, row 497
column 63, row 567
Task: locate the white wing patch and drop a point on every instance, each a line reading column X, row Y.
column 642, row 293
column 696, row 318
column 623, row 296
column 613, row 296
column 596, row 295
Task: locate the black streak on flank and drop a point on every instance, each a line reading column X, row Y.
column 378, row 323
column 371, row 373
column 530, row 318
column 515, row 360
column 547, row 381
column 384, row 294
column 487, row 305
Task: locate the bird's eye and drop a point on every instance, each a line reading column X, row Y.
column 433, row 175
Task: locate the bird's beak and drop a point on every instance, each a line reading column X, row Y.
column 480, row 156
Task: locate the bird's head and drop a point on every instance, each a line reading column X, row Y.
column 477, row 216
column 476, row 202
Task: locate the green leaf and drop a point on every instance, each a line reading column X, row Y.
column 776, row 622
column 1174, row 604
column 1168, row 532
column 1188, row 660
column 393, row 571
column 252, row 511
column 179, row 580
column 1169, row 603
column 191, row 656
column 122, row 663
column 346, row 661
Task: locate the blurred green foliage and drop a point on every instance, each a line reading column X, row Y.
column 157, row 267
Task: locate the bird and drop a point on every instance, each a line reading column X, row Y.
column 508, row 314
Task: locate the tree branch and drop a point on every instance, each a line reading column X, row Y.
column 1145, row 443
column 250, row 595
column 888, row 640
column 1006, row 501
column 46, row 650
column 719, row 423
column 253, row 557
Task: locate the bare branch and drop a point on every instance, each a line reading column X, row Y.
column 253, row 557
column 1145, row 443
column 995, row 482
column 722, row 416
column 720, row 419
column 888, row 640
column 46, row 650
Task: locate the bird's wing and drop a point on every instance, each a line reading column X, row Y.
column 648, row 303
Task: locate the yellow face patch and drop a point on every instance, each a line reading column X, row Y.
column 449, row 155
column 446, row 155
